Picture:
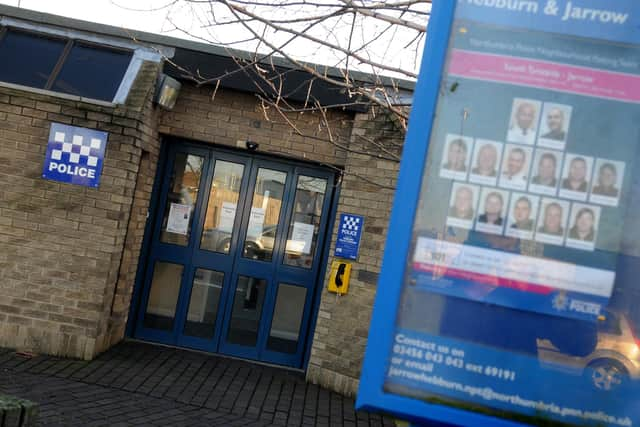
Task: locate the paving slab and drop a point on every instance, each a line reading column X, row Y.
column 141, row 384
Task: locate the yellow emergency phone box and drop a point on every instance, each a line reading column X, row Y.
column 339, row 279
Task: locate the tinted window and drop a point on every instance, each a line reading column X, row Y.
column 92, row 72
column 610, row 324
column 28, row 59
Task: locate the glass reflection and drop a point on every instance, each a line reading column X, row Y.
column 264, row 215
column 287, row 318
column 222, row 206
column 303, row 229
column 163, row 296
column 247, row 310
column 181, row 199
column 203, row 303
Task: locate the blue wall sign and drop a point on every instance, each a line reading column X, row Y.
column 74, row 155
column 349, row 233
column 509, row 279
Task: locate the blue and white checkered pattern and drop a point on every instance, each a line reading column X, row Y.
column 79, row 151
column 75, row 155
column 351, row 223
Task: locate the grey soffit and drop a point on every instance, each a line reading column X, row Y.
column 209, row 59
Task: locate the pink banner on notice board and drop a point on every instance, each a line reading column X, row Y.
column 545, row 75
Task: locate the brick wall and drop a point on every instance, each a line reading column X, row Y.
column 69, row 254
column 60, row 244
column 367, row 189
column 233, row 116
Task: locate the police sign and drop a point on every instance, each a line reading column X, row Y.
column 74, row 155
column 349, row 234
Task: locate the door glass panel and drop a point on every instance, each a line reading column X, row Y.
column 247, row 309
column 222, row 206
column 287, row 318
column 265, row 212
column 203, row 304
column 181, row 199
column 305, row 222
column 163, row 296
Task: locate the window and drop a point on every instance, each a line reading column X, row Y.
column 62, row 65
column 28, row 59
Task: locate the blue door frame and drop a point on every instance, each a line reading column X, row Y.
column 233, row 265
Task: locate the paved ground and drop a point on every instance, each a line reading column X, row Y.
column 141, row 384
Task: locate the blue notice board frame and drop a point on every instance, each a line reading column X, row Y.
column 371, row 395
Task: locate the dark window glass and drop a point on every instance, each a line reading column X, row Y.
column 203, row 304
column 247, row 311
column 610, row 324
column 28, row 59
column 287, row 319
column 92, row 72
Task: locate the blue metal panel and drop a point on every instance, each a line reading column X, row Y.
column 370, row 394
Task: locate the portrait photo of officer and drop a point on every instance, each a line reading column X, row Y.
column 455, row 159
column 492, row 210
column 576, row 176
column 522, row 212
column 607, row 182
column 545, row 172
column 552, row 220
column 493, row 202
column 485, row 162
column 462, row 206
column 515, row 167
column 554, row 125
column 583, row 226
column 524, row 121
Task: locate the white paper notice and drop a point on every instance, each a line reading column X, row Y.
column 227, row 217
column 178, row 221
column 256, row 222
column 301, row 238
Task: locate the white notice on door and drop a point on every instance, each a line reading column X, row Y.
column 227, row 217
column 301, row 238
column 256, row 223
column 178, row 221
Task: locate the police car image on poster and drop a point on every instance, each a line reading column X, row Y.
column 533, row 321
column 74, row 155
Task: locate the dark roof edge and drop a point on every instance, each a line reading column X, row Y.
column 211, row 49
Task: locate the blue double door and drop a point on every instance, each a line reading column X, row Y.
column 235, row 254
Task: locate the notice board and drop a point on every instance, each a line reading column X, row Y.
column 508, row 294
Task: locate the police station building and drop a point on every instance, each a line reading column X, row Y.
column 137, row 204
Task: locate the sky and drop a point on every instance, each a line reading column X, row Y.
column 155, row 16
column 119, row 13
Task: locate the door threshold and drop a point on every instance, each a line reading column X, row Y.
column 222, row 355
